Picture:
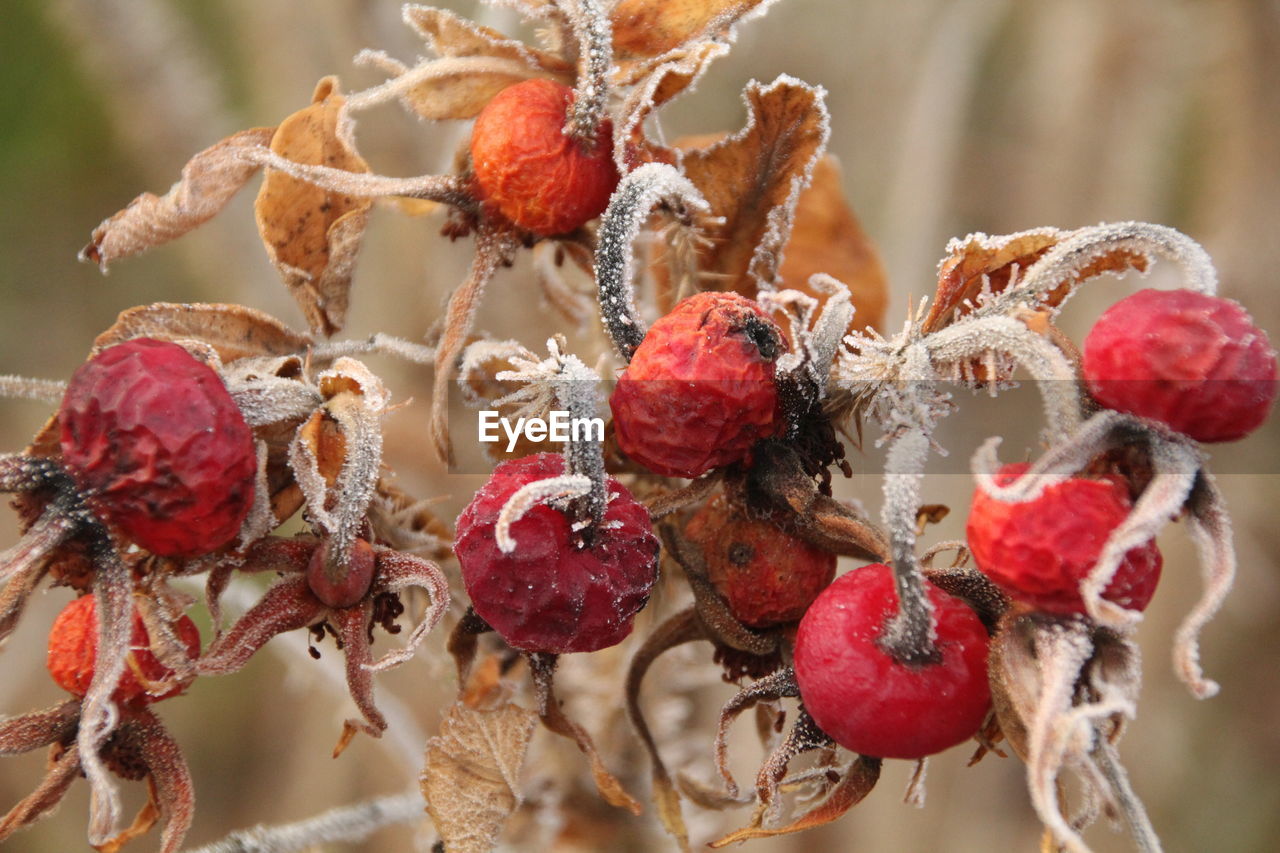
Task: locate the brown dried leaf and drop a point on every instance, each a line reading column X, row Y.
column 961, row 274
column 459, row 90
column 854, row 786
column 324, row 437
column 651, row 27
column 827, row 238
column 312, row 234
column 471, row 779
column 753, row 180
column 233, row 331
column 208, row 182
column 649, row 85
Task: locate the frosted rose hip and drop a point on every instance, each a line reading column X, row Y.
column 1194, row 362
column 533, row 172
column 556, row 593
column 872, row 704
column 73, row 649
column 699, row 390
column 162, row 453
column 765, row 575
column 1040, row 551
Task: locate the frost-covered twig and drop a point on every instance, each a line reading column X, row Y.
column 353, row 823
column 632, row 202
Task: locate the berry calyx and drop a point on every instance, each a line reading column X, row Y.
column 869, row 702
column 1191, row 361
column 1040, row 551
column 699, row 391
column 158, row 446
column 766, row 576
column 73, row 649
column 530, row 170
column 562, row 589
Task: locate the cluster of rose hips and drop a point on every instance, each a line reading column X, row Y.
column 179, row 460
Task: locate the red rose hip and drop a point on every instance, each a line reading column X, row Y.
column 1193, row 362
column 699, row 390
column 765, row 575
column 557, row 592
column 1040, row 551
column 869, row 702
column 73, row 649
column 534, row 173
column 162, row 453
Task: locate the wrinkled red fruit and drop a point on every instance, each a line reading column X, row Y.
column 554, row 593
column 1193, row 362
column 530, row 170
column 73, row 648
column 1039, row 551
column 872, row 704
column 700, row 391
column 156, row 443
column 766, row 576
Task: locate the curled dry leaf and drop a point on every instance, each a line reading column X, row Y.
column 208, row 182
column 753, row 182
column 233, row 331
column 980, row 261
column 651, row 27
column 827, row 238
column 650, row 85
column 471, row 780
column 854, row 785
column 475, row 64
column 312, row 234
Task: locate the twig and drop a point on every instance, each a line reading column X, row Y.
column 344, row 823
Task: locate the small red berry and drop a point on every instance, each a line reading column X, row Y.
column 1040, row 551
column 159, row 447
column 1193, row 362
column 700, row 391
column 869, row 702
column 534, row 173
column 557, row 591
column 73, row 648
column 356, row 575
column 766, row 576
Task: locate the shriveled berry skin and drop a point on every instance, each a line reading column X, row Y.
column 700, row 391
column 159, row 448
column 766, row 576
column 530, row 170
column 73, row 648
column 554, row 593
column 1193, row 362
column 872, row 704
column 1040, row 551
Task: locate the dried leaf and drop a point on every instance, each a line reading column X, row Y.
column 312, row 234
column 827, row 238
column 753, row 181
column 233, row 331
column 651, row 27
column 327, row 444
column 471, row 780
column 854, row 786
column 208, row 182
column 448, row 89
column 980, row 260
column 649, row 85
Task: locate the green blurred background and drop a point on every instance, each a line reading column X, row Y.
column 949, row 116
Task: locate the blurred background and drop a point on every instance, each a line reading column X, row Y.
column 948, row 116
